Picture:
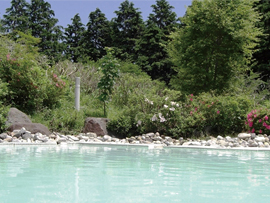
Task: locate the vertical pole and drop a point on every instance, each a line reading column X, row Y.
column 77, row 94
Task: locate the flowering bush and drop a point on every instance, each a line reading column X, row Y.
column 258, row 121
column 168, row 113
column 30, row 87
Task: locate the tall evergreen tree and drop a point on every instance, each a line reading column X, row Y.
column 43, row 25
column 127, row 28
column 97, row 35
column 262, row 55
column 16, row 17
column 73, row 39
column 152, row 54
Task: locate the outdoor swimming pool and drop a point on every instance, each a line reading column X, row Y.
column 87, row 173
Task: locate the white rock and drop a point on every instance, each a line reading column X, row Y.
column 107, row 138
column 195, row 143
column 243, row 135
column 259, row 139
column 185, row 143
column 220, row 138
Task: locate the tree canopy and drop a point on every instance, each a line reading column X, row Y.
column 216, row 42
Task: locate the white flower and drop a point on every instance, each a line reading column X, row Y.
column 154, row 118
column 159, row 115
column 165, row 106
column 139, row 123
column 151, row 102
column 173, row 103
column 177, row 105
column 146, row 100
column 172, row 109
column 162, row 119
column 166, row 98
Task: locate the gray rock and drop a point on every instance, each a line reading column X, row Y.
column 195, row 143
column 27, row 136
column 52, row 136
column 16, row 116
column 97, row 140
column 60, row 140
column 146, row 142
column 150, row 135
column 90, row 134
column 229, row 139
column 260, row 144
column 252, row 143
column 115, row 139
column 73, row 138
column 31, row 127
column 169, row 139
column 223, row 143
column 8, row 139
column 253, row 135
column 3, row 136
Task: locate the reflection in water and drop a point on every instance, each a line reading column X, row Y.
column 74, row 173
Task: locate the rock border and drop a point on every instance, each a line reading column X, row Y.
column 244, row 141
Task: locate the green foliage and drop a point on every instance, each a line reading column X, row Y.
column 3, row 109
column 126, row 29
column 144, row 109
column 30, row 85
column 109, row 68
column 97, row 35
column 16, row 16
column 74, row 40
column 151, row 46
column 262, row 51
column 88, row 74
column 216, row 42
column 128, row 67
column 44, row 27
column 64, row 118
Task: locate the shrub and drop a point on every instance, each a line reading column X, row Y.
column 3, row 108
column 258, row 121
column 30, row 87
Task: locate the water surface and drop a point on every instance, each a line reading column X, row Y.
column 132, row 174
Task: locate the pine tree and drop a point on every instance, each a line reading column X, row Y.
column 127, row 27
column 151, row 47
column 97, row 35
column 43, row 25
column 73, row 39
column 16, row 17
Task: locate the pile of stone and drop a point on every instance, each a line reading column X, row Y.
column 243, row 140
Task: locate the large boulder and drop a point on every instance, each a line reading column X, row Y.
column 16, row 116
column 31, row 127
column 96, row 125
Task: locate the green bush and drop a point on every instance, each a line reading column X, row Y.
column 30, row 87
column 171, row 113
column 3, row 109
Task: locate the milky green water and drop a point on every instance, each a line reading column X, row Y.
column 129, row 174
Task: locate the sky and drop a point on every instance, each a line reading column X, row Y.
column 66, row 9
